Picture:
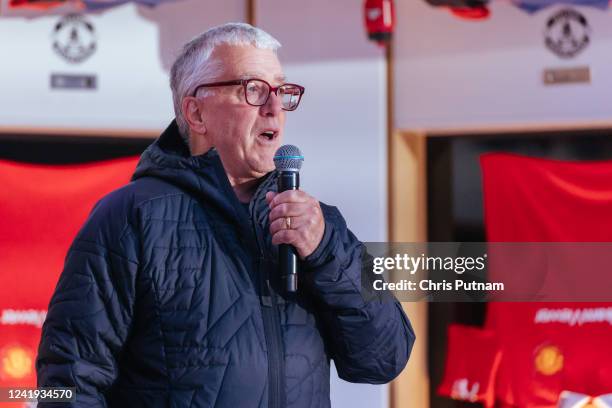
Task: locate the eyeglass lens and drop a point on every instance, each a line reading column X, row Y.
column 257, row 94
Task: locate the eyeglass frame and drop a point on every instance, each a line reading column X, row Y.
column 244, row 82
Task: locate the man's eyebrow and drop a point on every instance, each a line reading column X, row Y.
column 249, row 75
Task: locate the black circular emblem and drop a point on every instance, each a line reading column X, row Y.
column 567, row 33
column 74, row 38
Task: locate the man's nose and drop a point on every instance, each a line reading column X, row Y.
column 273, row 106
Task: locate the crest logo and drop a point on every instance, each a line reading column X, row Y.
column 74, row 38
column 548, row 360
column 16, row 362
column 567, row 33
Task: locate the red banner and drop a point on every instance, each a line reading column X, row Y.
column 546, row 348
column 549, row 347
column 41, row 209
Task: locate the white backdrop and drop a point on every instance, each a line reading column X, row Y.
column 453, row 73
column 135, row 49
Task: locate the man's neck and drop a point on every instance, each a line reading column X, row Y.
column 198, row 146
column 244, row 188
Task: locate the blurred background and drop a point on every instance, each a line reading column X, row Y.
column 402, row 99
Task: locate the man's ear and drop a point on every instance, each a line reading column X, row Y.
column 193, row 115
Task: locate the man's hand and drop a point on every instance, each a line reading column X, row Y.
column 306, row 224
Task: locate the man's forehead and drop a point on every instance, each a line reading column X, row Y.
column 250, row 62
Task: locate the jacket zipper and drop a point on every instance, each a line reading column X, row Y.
column 271, row 321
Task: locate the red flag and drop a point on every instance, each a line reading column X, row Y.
column 549, row 347
column 41, row 209
column 538, row 200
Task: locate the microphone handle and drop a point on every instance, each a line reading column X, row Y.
column 287, row 256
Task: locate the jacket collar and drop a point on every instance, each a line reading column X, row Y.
column 203, row 176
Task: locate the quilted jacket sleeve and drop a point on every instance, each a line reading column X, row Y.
column 370, row 338
column 91, row 309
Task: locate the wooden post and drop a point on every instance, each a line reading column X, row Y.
column 251, row 12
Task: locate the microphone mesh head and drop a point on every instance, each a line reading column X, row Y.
column 287, row 158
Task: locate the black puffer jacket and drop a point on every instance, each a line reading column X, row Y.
column 169, row 298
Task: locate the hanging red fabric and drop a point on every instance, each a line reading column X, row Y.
column 539, row 200
column 41, row 209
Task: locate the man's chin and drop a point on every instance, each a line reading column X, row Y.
column 263, row 162
column 261, row 170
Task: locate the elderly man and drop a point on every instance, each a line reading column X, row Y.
column 170, row 294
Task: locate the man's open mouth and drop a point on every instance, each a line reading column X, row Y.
column 269, row 135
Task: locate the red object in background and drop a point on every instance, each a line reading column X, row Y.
column 549, row 347
column 464, row 9
column 472, row 359
column 471, row 13
column 37, row 4
column 379, row 20
column 538, row 200
column 41, row 209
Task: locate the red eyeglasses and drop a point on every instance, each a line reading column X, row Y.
column 257, row 92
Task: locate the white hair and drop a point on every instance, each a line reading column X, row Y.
column 194, row 66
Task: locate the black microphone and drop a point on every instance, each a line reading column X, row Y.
column 288, row 161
